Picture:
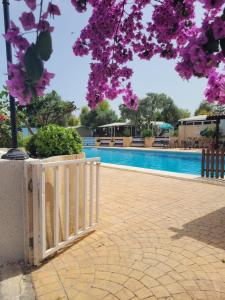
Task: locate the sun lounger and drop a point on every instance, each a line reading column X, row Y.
column 138, row 142
column 161, row 141
column 118, row 142
column 105, row 142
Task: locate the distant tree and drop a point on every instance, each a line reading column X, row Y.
column 103, row 114
column 205, row 108
column 154, row 107
column 83, row 115
column 171, row 113
column 184, row 113
column 73, row 121
column 49, row 109
column 150, row 106
column 131, row 115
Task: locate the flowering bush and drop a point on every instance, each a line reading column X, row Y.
column 115, row 33
column 2, row 118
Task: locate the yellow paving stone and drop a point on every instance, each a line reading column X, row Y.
column 136, row 274
column 155, row 272
column 68, row 282
column 96, row 292
column 156, row 235
column 41, row 290
column 119, row 278
column 166, row 279
column 198, row 295
column 72, row 293
column 175, row 288
column 189, row 285
column 183, row 296
column 143, row 293
column 56, row 295
column 110, row 297
column 160, row 291
column 44, row 274
column 46, row 280
column 102, row 275
column 83, row 296
column 205, row 285
column 149, row 282
column 133, row 284
column 125, row 294
column 111, row 287
column 86, row 277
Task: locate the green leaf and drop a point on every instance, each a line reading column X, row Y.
column 44, row 45
column 33, row 65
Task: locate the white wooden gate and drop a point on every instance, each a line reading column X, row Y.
column 74, row 207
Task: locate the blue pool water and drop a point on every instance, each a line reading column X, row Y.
column 189, row 163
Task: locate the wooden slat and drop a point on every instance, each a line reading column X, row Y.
column 91, row 195
column 84, row 213
column 42, row 212
column 97, row 192
column 67, row 199
column 56, row 206
column 36, row 214
column 212, row 163
column 217, row 163
column 207, row 163
column 76, row 199
column 222, row 164
column 203, row 162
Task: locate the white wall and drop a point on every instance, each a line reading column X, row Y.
column 12, row 221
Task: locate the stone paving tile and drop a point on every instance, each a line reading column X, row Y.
column 158, row 238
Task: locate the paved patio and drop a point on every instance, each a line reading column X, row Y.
column 158, row 238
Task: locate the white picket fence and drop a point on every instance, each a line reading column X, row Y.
column 79, row 175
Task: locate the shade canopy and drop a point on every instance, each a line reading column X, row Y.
column 166, row 126
column 118, row 124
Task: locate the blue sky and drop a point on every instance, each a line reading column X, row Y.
column 71, row 73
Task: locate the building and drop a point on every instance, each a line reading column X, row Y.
column 192, row 127
column 120, row 129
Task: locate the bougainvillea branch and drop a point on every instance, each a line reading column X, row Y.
column 116, row 32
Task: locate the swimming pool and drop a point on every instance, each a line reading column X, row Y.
column 172, row 161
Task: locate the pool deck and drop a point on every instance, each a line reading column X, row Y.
column 158, row 238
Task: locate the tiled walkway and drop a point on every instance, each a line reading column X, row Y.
column 158, row 238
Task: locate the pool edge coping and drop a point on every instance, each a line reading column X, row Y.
column 165, row 174
column 178, row 150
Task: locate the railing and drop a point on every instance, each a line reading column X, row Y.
column 212, row 163
column 65, row 196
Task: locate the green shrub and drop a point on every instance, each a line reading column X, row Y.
column 5, row 135
column 22, row 141
column 209, row 132
column 53, row 140
column 175, row 133
column 146, row 133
